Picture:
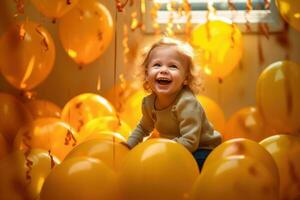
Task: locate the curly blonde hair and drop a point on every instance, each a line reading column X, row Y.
column 193, row 78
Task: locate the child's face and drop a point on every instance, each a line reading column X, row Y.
column 166, row 71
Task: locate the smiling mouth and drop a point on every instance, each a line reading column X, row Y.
column 163, row 81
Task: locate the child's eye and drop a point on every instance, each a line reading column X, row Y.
column 173, row 66
column 156, row 65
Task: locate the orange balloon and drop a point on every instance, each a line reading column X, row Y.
column 218, row 44
column 213, row 112
column 246, row 123
column 54, row 8
column 107, row 123
column 86, row 31
column 243, row 147
column 289, row 10
column 233, row 178
column 48, row 134
column 13, row 115
column 158, row 169
column 43, row 108
column 280, row 81
column 3, row 146
column 132, row 108
column 110, row 152
column 80, row 178
column 22, row 177
column 85, row 107
column 285, row 149
column 27, row 55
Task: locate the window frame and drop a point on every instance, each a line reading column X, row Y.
column 270, row 17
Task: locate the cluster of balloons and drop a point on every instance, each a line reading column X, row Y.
column 244, row 169
column 36, row 136
column 52, row 160
column 27, row 50
column 277, row 105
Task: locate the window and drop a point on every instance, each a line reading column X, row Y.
column 246, row 14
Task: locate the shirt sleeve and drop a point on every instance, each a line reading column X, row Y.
column 144, row 127
column 190, row 116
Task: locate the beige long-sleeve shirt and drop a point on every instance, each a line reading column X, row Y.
column 184, row 121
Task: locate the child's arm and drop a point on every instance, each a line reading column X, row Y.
column 144, row 127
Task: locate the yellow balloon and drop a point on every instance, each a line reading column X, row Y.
column 290, row 11
column 218, row 45
column 285, row 149
column 246, row 123
column 107, row 123
column 233, row 178
column 213, row 112
column 13, row 115
column 86, row 31
column 111, row 152
column 27, row 55
column 243, row 147
column 158, row 169
column 132, row 108
column 54, row 8
column 80, row 178
column 278, row 96
column 22, row 177
column 48, row 134
column 3, row 146
column 43, row 108
column 85, row 107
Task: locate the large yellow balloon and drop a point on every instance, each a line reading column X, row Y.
column 285, row 149
column 43, row 108
column 48, row 134
column 110, row 152
column 106, row 123
column 22, row 177
column 86, row 31
column 54, row 8
column 27, row 54
column 85, row 107
column 278, row 96
column 213, row 112
column 3, row 146
column 80, row 178
column 13, row 115
column 158, row 169
column 234, row 178
column 290, row 11
column 132, row 108
column 246, row 123
column 243, row 147
column 218, row 46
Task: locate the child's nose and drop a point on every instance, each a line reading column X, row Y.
column 163, row 69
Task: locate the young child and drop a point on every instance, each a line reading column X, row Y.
column 171, row 107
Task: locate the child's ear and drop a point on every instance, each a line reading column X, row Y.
column 185, row 82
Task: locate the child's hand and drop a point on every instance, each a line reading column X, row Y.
column 125, row 144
